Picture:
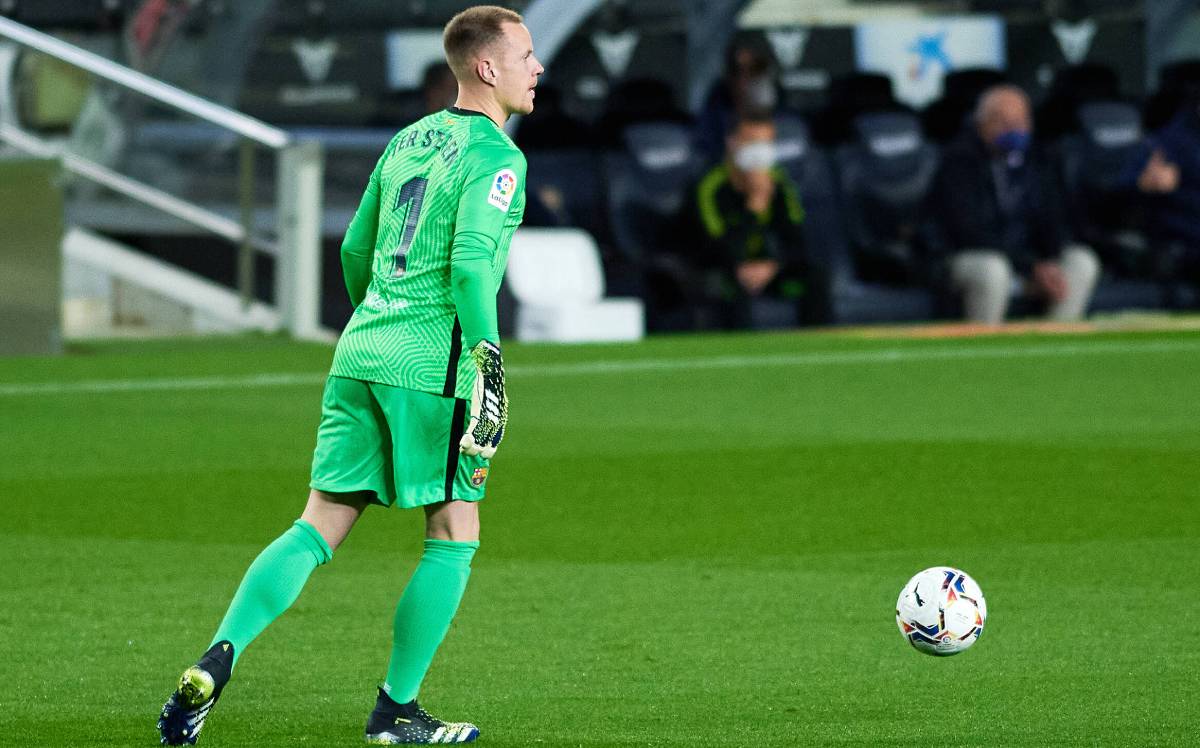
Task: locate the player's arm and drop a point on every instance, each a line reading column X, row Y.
column 490, row 183
column 358, row 247
column 482, row 213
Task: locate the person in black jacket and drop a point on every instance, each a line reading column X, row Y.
column 998, row 221
column 748, row 86
column 1167, row 172
column 742, row 227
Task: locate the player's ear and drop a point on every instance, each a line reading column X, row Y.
column 486, row 72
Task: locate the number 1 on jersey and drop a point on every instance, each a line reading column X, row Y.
column 412, row 196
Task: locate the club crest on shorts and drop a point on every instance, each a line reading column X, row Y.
column 479, row 476
column 504, row 186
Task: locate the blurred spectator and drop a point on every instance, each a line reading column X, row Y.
column 1167, row 171
column 151, row 30
column 742, row 227
column 439, row 89
column 996, row 213
column 748, row 87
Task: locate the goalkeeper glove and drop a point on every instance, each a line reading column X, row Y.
column 489, row 403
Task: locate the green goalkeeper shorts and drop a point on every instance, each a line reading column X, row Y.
column 399, row 444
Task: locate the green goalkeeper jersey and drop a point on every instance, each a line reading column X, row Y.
column 426, row 251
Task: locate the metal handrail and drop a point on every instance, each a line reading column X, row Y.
column 248, row 127
column 299, row 167
column 140, row 191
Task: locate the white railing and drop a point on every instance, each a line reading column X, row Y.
column 299, row 171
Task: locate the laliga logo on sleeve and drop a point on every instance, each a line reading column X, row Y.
column 503, row 188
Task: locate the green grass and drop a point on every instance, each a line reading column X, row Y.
column 676, row 551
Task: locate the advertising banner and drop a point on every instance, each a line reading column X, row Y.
column 917, row 53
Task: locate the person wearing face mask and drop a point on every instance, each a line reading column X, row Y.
column 996, row 215
column 747, row 87
column 742, row 228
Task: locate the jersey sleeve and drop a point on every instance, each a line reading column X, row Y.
column 492, row 180
column 358, row 246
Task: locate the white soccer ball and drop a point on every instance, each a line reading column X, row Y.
column 941, row 611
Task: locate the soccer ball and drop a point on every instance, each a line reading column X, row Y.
column 941, row 611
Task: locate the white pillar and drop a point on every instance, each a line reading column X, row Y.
column 300, row 172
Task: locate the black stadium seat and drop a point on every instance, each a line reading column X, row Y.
column 638, row 101
column 793, row 145
column 884, row 178
column 961, row 89
column 86, row 15
column 647, row 183
column 849, row 97
column 1073, row 87
column 1177, row 82
column 575, row 175
column 810, row 168
column 1103, row 214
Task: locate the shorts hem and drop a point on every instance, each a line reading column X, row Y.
column 433, row 500
column 377, row 499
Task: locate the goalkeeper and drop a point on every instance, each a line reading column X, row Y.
column 415, row 406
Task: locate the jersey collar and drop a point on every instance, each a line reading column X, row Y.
column 465, row 112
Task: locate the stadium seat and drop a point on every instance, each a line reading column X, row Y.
column 648, row 181
column 647, row 184
column 825, row 234
column 638, row 101
column 86, row 15
column 1073, row 87
column 947, row 116
column 1176, row 82
column 555, row 278
column 883, row 180
column 885, row 177
column 1103, row 215
column 551, row 126
column 575, row 175
column 849, row 97
column 793, row 144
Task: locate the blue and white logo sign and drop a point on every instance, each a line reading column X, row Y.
column 917, row 53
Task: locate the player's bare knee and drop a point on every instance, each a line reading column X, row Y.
column 453, row 520
column 333, row 515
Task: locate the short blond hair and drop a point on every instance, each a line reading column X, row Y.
column 471, row 31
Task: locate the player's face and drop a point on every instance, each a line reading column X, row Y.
column 517, row 70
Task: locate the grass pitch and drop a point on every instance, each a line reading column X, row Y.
column 691, row 542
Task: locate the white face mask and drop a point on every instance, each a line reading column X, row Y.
column 756, row 156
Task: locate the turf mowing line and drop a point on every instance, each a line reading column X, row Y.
column 895, row 355
column 150, row 385
column 853, row 357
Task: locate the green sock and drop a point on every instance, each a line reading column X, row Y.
column 424, row 613
column 272, row 584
